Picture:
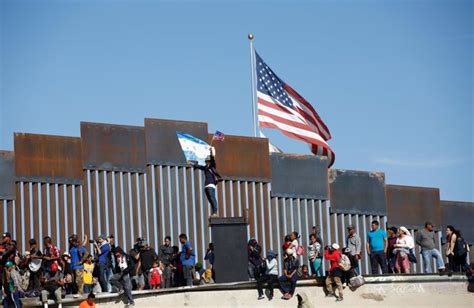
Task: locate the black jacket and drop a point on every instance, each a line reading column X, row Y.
column 130, row 263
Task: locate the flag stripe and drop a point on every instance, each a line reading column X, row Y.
column 281, row 107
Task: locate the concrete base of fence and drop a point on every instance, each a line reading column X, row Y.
column 386, row 291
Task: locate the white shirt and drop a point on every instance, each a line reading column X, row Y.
column 272, row 268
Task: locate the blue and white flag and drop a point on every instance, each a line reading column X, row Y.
column 194, row 149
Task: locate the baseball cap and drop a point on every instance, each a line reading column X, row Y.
column 7, row 234
column 9, row 264
column 335, row 246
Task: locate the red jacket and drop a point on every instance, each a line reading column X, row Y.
column 334, row 257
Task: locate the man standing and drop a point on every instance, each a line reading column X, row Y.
column 188, row 259
column 78, row 255
column 391, row 241
column 353, row 243
column 102, row 250
column 33, row 261
column 51, row 254
column 13, row 287
column 377, row 248
column 212, row 178
column 147, row 258
column 121, row 277
column 165, row 256
column 333, row 254
column 425, row 238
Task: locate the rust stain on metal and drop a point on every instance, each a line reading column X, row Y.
column 243, row 158
column 459, row 214
column 47, row 158
column 162, row 145
column 353, row 191
column 113, row 147
column 412, row 206
column 7, row 175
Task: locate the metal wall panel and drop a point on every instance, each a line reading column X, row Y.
column 162, row 145
column 357, row 192
column 7, row 175
column 46, row 158
column 412, row 206
column 243, row 158
column 300, row 176
column 113, row 147
column 459, row 215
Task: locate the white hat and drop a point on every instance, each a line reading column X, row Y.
column 335, row 246
column 405, row 230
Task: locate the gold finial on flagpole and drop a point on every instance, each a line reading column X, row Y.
column 250, row 36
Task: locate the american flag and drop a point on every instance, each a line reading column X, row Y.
column 281, row 107
column 219, row 136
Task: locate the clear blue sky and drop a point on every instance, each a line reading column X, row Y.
column 393, row 80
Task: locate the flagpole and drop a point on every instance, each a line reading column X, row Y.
column 254, row 92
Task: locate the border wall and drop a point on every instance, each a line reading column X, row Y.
column 133, row 182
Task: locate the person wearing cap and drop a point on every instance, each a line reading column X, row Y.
column 290, row 275
column 391, row 241
column 402, row 249
column 147, row 258
column 102, row 251
column 270, row 276
column 78, row 255
column 425, row 238
column 212, row 178
column 333, row 254
column 138, row 278
column 13, row 286
column 53, row 281
column 354, row 245
column 377, row 248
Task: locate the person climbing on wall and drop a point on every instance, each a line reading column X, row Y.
column 212, row 178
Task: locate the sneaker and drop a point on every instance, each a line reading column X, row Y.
column 131, row 304
column 260, row 297
column 270, row 297
column 339, row 299
column 285, row 296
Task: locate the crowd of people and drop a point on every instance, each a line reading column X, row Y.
column 390, row 252
column 49, row 273
column 89, row 267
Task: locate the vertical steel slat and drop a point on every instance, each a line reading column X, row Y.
column 173, row 204
column 154, row 206
column 195, row 190
column 190, row 204
column 134, row 206
column 17, row 213
column 54, row 214
column 125, row 199
column 60, row 215
column 36, row 191
column 100, row 182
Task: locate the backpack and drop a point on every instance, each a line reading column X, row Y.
column 25, row 280
column 461, row 247
column 300, row 250
column 344, row 263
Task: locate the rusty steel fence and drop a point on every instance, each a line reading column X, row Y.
column 134, row 182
